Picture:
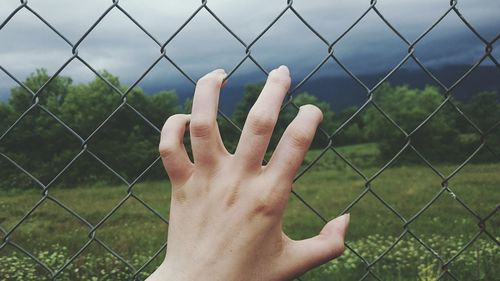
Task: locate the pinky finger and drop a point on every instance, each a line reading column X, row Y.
column 172, row 151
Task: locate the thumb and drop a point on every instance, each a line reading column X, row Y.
column 325, row 246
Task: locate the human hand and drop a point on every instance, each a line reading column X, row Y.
column 226, row 210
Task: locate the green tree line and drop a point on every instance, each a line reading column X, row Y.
column 113, row 131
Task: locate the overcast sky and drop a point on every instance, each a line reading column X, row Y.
column 120, row 47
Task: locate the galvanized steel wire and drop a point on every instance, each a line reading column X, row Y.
column 246, row 55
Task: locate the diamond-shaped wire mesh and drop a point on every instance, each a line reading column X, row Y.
column 246, row 50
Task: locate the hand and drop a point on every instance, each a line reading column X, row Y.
column 226, row 211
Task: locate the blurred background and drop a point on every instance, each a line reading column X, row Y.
column 410, row 142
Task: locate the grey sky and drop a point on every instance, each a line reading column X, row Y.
column 120, row 47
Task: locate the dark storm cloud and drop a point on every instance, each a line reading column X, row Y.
column 121, row 48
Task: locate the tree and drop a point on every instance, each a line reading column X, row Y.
column 44, row 146
column 35, row 142
column 409, row 108
column 484, row 111
column 126, row 142
column 6, row 116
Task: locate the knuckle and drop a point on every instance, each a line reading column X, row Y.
column 270, row 203
column 300, row 138
column 166, row 148
column 341, row 247
column 179, row 195
column 231, row 198
column 201, row 127
column 260, row 124
column 264, row 206
column 168, row 142
column 280, row 79
column 337, row 248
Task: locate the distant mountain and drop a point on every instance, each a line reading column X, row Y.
column 343, row 91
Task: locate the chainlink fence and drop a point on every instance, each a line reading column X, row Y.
column 246, row 55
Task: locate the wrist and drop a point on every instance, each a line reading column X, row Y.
column 168, row 271
column 173, row 270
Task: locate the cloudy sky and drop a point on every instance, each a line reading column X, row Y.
column 118, row 46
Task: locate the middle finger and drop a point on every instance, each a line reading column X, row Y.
column 262, row 118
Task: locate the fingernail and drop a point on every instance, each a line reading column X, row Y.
column 347, row 219
column 220, row 70
column 283, row 67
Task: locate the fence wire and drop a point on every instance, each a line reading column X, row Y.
column 246, row 47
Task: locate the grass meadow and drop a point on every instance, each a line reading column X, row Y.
column 135, row 233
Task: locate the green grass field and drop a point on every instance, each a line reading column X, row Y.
column 134, row 232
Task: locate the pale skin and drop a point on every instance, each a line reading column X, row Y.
column 226, row 211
